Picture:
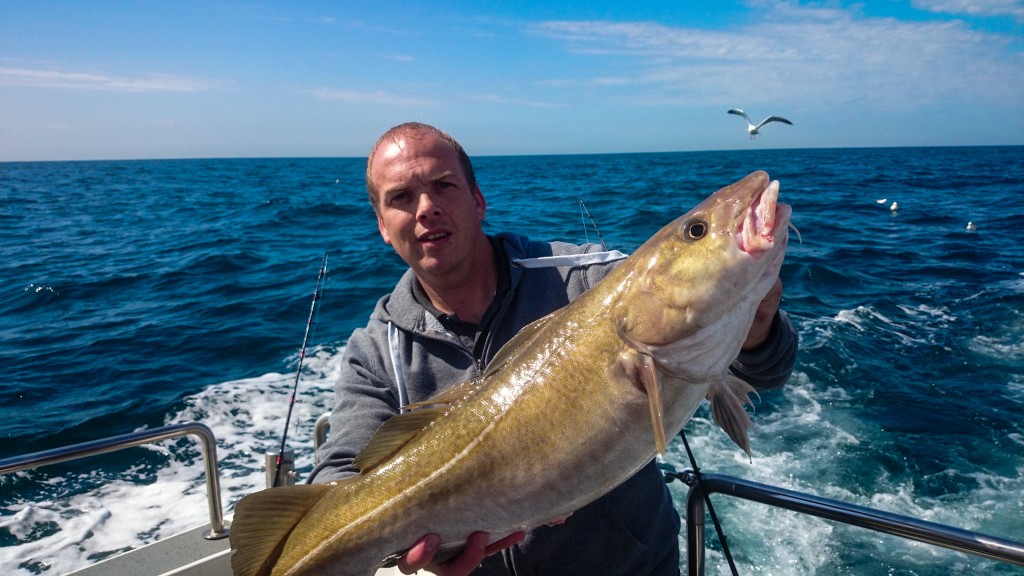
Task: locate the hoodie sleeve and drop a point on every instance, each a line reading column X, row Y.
column 769, row 365
column 363, row 400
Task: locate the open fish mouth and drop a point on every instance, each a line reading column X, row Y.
column 764, row 223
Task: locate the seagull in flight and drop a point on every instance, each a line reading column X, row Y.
column 751, row 128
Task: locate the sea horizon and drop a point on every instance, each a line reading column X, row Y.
column 527, row 155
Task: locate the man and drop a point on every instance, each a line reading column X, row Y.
column 465, row 295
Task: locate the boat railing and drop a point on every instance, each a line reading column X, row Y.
column 700, row 488
column 104, row 445
column 975, row 543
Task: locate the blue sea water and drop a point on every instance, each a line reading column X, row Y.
column 139, row 293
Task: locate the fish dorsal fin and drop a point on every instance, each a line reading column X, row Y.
column 643, row 373
column 727, row 399
column 393, row 434
column 264, row 520
column 398, row 430
column 450, row 395
column 520, row 340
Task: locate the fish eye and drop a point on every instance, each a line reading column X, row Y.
column 695, row 229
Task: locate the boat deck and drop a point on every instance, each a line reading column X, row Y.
column 184, row 554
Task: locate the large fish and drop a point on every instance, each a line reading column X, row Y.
column 605, row 379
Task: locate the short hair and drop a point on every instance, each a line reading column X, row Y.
column 406, row 129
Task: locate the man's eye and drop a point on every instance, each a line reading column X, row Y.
column 397, row 198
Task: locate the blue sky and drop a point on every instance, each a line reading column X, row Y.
column 184, row 79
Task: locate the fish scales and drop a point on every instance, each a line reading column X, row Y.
column 599, row 383
column 479, row 446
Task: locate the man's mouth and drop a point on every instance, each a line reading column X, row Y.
column 433, row 236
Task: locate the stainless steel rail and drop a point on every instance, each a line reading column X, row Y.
column 323, row 425
column 102, row 446
column 904, row 526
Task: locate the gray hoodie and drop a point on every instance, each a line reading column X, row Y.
column 634, row 529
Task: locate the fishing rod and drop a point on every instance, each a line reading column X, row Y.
column 298, row 372
column 583, row 209
column 711, row 510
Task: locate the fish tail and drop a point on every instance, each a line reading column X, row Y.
column 262, row 523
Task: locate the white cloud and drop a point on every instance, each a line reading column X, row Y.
column 797, row 54
column 376, row 97
column 1013, row 8
column 87, row 81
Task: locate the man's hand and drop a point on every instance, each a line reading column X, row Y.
column 421, row 555
column 766, row 310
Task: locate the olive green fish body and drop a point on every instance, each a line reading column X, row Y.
column 599, row 384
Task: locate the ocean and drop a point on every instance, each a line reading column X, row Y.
column 135, row 294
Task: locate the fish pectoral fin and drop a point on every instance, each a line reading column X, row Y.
column 727, row 399
column 393, row 434
column 643, row 373
column 263, row 522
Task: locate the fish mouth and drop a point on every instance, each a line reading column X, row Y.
column 764, row 222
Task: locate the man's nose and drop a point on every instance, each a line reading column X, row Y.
column 426, row 206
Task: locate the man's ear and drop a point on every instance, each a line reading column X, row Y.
column 383, row 231
column 481, row 203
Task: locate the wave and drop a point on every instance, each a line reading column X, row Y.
column 798, row 443
column 78, row 515
column 810, row 438
column 140, row 293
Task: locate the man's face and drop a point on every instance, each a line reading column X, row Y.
column 426, row 210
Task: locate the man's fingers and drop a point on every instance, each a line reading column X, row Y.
column 420, row 555
column 467, row 561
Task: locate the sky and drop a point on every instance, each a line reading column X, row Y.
column 90, row 80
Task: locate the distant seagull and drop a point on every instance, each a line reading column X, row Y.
column 971, row 227
column 895, row 207
column 751, row 129
column 880, row 200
